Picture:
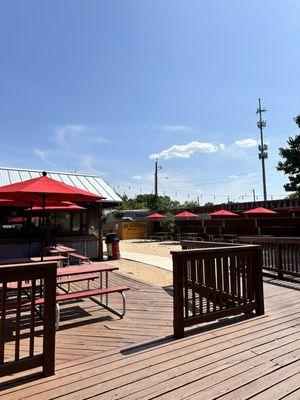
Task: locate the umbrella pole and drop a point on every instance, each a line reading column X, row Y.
column 43, row 225
column 55, row 230
column 29, row 233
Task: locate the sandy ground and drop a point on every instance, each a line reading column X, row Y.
column 145, row 272
column 155, row 248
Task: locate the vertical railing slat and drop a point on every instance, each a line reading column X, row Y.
column 18, row 321
column 3, row 321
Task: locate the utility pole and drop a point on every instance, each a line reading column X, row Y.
column 155, row 179
column 262, row 148
column 254, row 199
column 157, row 167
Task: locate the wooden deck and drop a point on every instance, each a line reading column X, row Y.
column 99, row 357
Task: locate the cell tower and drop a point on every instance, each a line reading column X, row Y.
column 262, row 148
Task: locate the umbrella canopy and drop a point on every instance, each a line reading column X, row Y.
column 34, row 190
column 223, row 213
column 37, row 191
column 19, row 220
column 155, row 216
column 260, row 210
column 57, row 208
column 185, row 214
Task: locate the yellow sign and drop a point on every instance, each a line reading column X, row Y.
column 134, row 230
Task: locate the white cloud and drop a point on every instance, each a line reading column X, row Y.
column 64, row 134
column 137, row 177
column 233, row 176
column 186, row 150
column 246, row 142
column 222, row 146
column 67, row 135
column 174, row 128
column 87, row 161
column 43, row 155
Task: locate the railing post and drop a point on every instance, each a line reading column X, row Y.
column 178, row 321
column 49, row 320
column 258, row 281
column 278, row 260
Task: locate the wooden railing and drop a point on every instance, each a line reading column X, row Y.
column 213, row 283
column 280, row 254
column 190, row 244
column 26, row 340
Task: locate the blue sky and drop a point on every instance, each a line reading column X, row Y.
column 104, row 86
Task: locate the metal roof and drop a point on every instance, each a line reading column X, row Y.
column 91, row 183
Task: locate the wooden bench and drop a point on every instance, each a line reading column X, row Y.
column 76, row 296
column 60, row 281
column 81, row 258
column 76, row 274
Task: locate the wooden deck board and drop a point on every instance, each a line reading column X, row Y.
column 100, row 357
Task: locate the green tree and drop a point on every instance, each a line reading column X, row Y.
column 149, row 201
column 168, row 224
column 190, row 205
column 155, row 203
column 291, row 164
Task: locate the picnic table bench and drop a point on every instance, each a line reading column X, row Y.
column 70, row 253
column 76, row 274
column 59, row 259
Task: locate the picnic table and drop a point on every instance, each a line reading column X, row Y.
column 70, row 275
column 64, row 249
column 230, row 237
column 187, row 236
column 69, row 252
column 60, row 259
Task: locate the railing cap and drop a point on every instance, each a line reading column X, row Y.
column 215, row 250
column 24, row 266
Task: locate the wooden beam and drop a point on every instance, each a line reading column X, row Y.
column 100, row 234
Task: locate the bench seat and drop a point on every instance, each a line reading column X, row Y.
column 81, row 258
column 75, row 296
column 73, row 279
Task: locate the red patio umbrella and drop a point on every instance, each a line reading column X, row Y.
column 38, row 191
column 155, row 216
column 223, row 213
column 185, row 214
column 71, row 207
column 260, row 210
column 18, row 220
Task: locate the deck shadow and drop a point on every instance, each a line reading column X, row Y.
column 15, row 382
column 285, row 283
column 191, row 332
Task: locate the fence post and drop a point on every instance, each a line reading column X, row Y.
column 278, row 260
column 258, row 281
column 49, row 320
column 178, row 322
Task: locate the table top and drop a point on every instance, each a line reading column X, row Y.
column 80, row 270
column 64, row 249
column 48, row 258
